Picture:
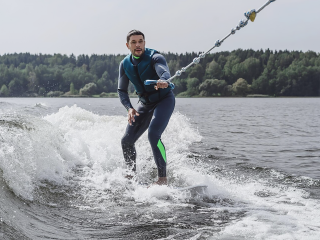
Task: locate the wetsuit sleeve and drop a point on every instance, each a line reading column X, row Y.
column 161, row 67
column 123, row 83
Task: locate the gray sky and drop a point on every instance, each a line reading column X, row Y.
column 100, row 26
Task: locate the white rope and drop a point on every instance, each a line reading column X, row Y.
column 218, row 43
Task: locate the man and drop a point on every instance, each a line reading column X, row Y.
column 156, row 101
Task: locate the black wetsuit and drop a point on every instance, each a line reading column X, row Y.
column 153, row 116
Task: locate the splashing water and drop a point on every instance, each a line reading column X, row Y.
column 37, row 149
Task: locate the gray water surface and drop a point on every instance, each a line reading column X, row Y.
column 259, row 157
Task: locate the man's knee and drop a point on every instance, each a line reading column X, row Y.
column 127, row 141
column 153, row 136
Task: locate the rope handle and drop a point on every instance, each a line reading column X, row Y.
column 150, row 82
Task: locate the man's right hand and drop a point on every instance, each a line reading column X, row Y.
column 131, row 113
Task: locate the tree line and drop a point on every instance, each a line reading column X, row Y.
column 236, row 73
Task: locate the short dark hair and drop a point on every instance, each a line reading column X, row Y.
column 134, row 32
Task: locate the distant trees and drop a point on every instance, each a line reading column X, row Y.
column 89, row 89
column 4, row 91
column 72, row 91
column 212, row 87
column 241, row 87
column 236, row 73
column 54, row 94
column 280, row 73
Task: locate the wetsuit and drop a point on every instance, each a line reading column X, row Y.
column 154, row 115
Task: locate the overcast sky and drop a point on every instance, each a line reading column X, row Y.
column 179, row 26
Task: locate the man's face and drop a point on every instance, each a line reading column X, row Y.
column 136, row 45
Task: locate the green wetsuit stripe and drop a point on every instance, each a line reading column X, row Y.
column 135, row 57
column 162, row 150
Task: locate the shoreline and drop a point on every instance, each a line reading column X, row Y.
column 266, row 96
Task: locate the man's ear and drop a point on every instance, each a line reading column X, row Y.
column 127, row 45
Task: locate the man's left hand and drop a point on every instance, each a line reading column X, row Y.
column 161, row 84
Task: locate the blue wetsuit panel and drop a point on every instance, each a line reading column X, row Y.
column 160, row 66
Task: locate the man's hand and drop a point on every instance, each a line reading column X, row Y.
column 161, row 84
column 131, row 113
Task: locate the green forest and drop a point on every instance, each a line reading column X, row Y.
column 236, row 73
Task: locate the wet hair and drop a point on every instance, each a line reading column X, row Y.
column 132, row 33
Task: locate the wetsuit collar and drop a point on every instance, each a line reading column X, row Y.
column 136, row 60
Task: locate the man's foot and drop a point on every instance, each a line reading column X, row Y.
column 161, row 181
column 129, row 176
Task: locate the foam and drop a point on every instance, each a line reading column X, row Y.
column 32, row 150
column 284, row 213
column 101, row 136
column 41, row 105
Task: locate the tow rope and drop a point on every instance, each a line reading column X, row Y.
column 250, row 15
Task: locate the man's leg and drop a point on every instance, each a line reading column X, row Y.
column 132, row 134
column 162, row 114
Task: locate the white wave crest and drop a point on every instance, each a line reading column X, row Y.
column 49, row 148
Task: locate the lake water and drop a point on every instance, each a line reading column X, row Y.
column 61, row 171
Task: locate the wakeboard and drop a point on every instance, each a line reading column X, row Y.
column 200, row 189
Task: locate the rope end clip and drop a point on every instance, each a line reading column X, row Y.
column 251, row 15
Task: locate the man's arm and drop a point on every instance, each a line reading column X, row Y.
column 161, row 67
column 123, row 83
